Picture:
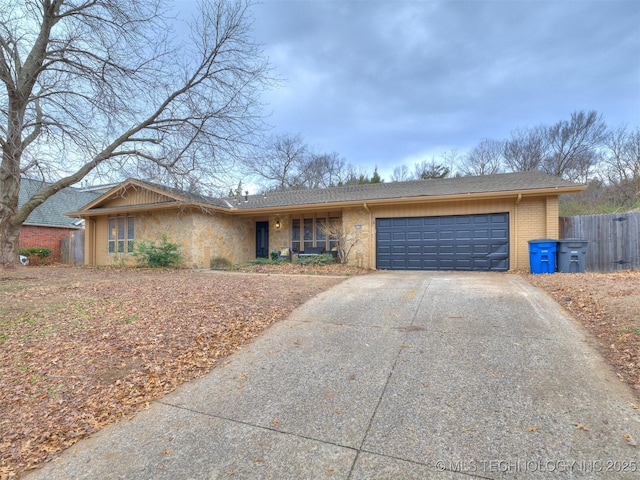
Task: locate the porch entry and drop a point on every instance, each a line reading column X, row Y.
column 262, row 239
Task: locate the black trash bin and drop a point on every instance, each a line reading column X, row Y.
column 571, row 255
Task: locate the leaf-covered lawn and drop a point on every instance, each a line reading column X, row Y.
column 82, row 347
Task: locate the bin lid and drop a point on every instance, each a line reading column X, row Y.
column 544, row 240
column 573, row 240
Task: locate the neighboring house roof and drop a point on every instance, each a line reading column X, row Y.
column 52, row 212
column 532, row 183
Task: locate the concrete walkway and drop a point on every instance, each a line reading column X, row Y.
column 389, row 376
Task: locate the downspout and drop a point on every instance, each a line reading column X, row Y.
column 90, row 242
column 516, row 248
column 371, row 242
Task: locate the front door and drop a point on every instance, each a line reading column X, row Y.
column 262, row 239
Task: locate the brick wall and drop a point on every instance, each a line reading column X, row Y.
column 48, row 237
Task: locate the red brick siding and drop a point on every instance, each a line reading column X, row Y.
column 48, row 237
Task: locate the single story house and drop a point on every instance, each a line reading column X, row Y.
column 48, row 226
column 464, row 223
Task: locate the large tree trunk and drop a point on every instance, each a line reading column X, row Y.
column 9, row 198
column 8, row 243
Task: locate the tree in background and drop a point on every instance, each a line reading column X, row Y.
column 571, row 145
column 525, row 150
column 322, row 170
column 621, row 165
column 401, row 174
column 375, row 178
column 280, row 162
column 96, row 86
column 484, row 159
column 286, row 162
column 426, row 170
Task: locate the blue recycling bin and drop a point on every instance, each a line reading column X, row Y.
column 542, row 255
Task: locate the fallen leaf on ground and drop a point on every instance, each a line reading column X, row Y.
column 81, row 348
column 630, row 440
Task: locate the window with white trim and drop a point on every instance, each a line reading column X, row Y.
column 121, row 234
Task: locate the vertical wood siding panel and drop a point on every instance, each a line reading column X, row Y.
column 610, row 241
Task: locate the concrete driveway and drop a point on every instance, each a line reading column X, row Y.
column 390, row 375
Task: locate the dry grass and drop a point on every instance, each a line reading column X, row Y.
column 83, row 347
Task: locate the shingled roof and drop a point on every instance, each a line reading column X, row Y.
column 505, row 182
column 486, row 185
column 51, row 212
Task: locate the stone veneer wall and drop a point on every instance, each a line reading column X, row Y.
column 279, row 238
column 357, row 225
column 222, row 235
column 201, row 236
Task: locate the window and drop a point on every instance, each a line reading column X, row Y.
column 334, row 231
column 308, row 233
column 313, row 232
column 121, row 233
column 295, row 235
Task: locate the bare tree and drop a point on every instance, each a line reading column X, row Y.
column 92, row 86
column 280, row 161
column 401, row 174
column 450, row 159
column 424, row 170
column 525, row 150
column 322, row 170
column 344, row 239
column 572, row 144
column 621, row 165
column 484, row 159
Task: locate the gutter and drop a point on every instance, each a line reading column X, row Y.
column 71, row 226
column 329, row 206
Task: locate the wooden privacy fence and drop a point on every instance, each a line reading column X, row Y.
column 613, row 239
column 72, row 250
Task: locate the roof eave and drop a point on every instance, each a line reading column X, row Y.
column 324, row 206
column 48, row 225
column 407, row 200
column 126, row 209
column 123, row 186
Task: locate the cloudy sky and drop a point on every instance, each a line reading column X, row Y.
column 392, row 82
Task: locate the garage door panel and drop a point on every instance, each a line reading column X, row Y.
column 454, row 242
column 481, row 234
column 398, row 222
column 429, row 237
column 499, row 234
column 384, row 237
column 480, row 249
